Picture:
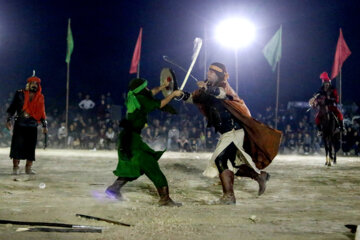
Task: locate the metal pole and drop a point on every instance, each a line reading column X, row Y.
column 67, row 98
column 205, row 53
column 340, row 88
column 277, row 95
column 138, row 70
column 236, row 72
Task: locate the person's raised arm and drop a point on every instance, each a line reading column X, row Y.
column 166, row 100
column 156, row 90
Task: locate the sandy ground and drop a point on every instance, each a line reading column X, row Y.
column 304, row 199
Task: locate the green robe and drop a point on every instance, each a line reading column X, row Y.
column 143, row 159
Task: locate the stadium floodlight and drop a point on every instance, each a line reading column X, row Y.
column 235, row 32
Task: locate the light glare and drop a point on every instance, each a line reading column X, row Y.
column 235, row 32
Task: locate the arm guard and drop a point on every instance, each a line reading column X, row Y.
column 217, row 92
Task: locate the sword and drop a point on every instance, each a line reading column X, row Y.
column 197, row 47
column 45, row 140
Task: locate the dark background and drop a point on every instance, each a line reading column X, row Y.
column 33, row 36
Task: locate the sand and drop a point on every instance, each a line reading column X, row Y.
column 304, row 199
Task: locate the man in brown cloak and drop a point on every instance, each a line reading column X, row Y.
column 247, row 144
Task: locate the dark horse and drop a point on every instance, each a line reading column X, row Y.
column 330, row 132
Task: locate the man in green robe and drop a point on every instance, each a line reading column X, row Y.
column 136, row 157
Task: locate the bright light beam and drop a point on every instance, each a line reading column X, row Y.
column 235, row 32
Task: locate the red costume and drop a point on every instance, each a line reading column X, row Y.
column 330, row 97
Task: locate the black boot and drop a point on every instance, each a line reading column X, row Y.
column 246, row 171
column 113, row 191
column 165, row 199
column 227, row 182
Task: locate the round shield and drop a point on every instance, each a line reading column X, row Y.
column 167, row 74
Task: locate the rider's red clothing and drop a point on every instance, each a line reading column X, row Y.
column 332, row 109
column 331, row 99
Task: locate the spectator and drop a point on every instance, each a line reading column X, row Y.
column 173, row 136
column 147, row 136
column 210, row 141
column 194, row 138
column 86, row 105
column 109, row 100
column 84, row 140
column 92, row 137
column 110, row 138
column 348, row 141
column 356, row 145
column 291, row 143
column 72, row 135
column 183, row 144
column 101, row 110
column 307, row 143
column 62, row 134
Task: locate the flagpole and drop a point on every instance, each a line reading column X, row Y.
column 138, row 66
column 138, row 70
column 340, row 88
column 236, row 71
column 67, row 97
column 277, row 95
column 205, row 53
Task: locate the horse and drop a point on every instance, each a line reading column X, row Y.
column 330, row 130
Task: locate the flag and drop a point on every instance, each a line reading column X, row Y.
column 272, row 50
column 136, row 56
column 70, row 43
column 341, row 54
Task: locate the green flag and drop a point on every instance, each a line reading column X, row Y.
column 70, row 44
column 272, row 50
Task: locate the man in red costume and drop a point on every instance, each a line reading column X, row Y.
column 28, row 109
column 327, row 94
column 248, row 145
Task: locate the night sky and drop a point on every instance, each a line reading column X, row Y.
column 33, row 36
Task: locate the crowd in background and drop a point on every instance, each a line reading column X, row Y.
column 94, row 124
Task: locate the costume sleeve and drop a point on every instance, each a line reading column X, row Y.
column 13, row 106
column 148, row 104
column 187, row 97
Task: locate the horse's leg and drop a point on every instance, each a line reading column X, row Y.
column 336, row 145
column 335, row 150
column 330, row 153
column 331, row 150
column 326, row 151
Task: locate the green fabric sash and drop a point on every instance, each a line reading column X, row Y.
column 131, row 101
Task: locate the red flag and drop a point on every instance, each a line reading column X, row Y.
column 136, row 56
column 341, row 54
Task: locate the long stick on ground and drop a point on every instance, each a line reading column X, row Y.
column 70, row 230
column 103, row 219
column 65, row 225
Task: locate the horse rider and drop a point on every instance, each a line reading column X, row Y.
column 328, row 95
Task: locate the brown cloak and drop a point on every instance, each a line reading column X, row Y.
column 261, row 142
